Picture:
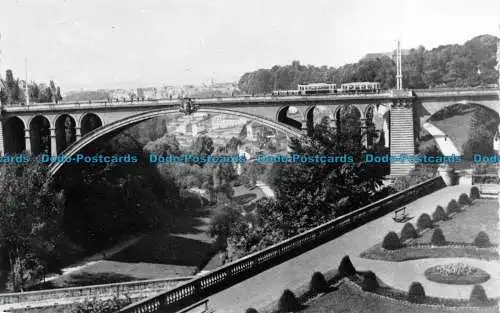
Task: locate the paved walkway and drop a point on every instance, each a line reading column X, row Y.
column 265, row 189
column 266, row 287
column 445, row 143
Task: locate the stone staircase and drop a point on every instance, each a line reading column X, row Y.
column 402, row 138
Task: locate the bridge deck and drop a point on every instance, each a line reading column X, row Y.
column 266, row 287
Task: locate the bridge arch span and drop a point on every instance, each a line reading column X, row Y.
column 434, row 107
column 141, row 117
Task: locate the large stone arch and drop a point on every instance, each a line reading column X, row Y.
column 40, row 134
column 14, row 130
column 282, row 118
column 135, row 119
column 87, row 120
column 65, row 129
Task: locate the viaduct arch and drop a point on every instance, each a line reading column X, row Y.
column 124, row 123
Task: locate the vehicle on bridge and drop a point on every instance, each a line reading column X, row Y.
column 360, row 87
column 317, row 89
column 330, row 89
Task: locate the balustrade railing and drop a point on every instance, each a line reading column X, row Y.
column 248, row 266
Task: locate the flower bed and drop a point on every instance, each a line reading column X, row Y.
column 456, row 274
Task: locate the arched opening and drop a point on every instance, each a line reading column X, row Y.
column 310, row 121
column 465, row 128
column 90, row 122
column 14, row 135
column 349, row 122
column 371, row 133
column 386, row 129
column 40, row 135
column 283, row 117
column 65, row 132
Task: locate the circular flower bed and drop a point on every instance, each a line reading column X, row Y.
column 456, row 274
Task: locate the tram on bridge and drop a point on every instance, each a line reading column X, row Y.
column 330, row 89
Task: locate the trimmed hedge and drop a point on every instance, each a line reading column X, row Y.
column 438, row 237
column 288, row 302
column 482, row 240
column 318, row 283
column 424, row 221
column 391, row 241
column 416, row 293
column 452, row 207
column 370, row 282
column 463, row 199
column 408, row 232
column 439, row 214
column 478, row 296
column 474, row 193
column 346, row 268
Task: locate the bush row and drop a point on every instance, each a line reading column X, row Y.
column 288, row 302
column 416, row 294
column 393, row 242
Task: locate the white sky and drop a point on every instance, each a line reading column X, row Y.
column 121, row 43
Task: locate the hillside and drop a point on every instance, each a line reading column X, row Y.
column 468, row 65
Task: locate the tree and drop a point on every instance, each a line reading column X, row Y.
column 30, row 221
column 203, row 146
column 232, row 145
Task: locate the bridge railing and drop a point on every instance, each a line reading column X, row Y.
column 248, row 266
column 92, row 291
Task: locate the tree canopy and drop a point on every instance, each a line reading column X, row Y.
column 468, row 65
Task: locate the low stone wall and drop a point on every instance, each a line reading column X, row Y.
column 134, row 290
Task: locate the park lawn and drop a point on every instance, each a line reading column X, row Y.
column 459, row 230
column 464, row 226
column 348, row 299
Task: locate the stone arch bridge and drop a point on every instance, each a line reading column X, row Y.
column 68, row 127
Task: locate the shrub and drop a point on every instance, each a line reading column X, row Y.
column 318, row 283
column 416, row 293
column 251, row 310
column 463, row 199
column 346, row 268
column 424, row 221
column 370, row 282
column 288, row 302
column 474, row 193
column 438, row 237
column 482, row 240
column 439, row 214
column 408, row 231
column 453, row 206
column 478, row 296
column 391, row 241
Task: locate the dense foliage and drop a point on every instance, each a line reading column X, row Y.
column 309, row 194
column 109, row 201
column 107, row 306
column 470, row 64
column 14, row 91
column 30, row 222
